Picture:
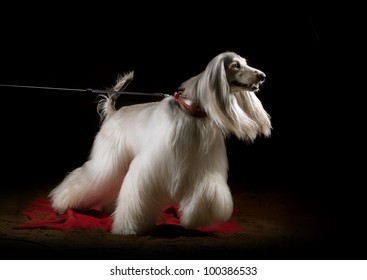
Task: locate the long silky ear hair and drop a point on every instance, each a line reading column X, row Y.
column 251, row 104
column 211, row 89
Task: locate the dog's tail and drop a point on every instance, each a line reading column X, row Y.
column 106, row 104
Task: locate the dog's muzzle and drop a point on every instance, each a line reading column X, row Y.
column 260, row 77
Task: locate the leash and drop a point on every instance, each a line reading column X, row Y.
column 186, row 104
column 89, row 90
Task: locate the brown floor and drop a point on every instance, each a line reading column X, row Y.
column 279, row 224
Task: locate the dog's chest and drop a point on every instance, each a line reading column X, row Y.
column 190, row 135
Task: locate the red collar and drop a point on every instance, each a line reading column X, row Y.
column 189, row 106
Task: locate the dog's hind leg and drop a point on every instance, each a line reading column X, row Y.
column 97, row 181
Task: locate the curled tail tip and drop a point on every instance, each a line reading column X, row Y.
column 123, row 81
column 106, row 104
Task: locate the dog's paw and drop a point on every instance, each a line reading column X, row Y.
column 59, row 212
column 119, row 231
column 58, row 202
column 58, row 208
column 127, row 226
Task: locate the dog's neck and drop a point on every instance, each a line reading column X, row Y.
column 189, row 106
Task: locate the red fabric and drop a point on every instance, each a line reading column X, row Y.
column 41, row 215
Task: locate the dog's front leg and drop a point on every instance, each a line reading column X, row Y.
column 209, row 202
column 140, row 200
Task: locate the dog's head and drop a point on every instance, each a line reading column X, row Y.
column 241, row 76
column 226, row 90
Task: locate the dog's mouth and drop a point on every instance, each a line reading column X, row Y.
column 250, row 87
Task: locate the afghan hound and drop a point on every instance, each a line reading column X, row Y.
column 146, row 156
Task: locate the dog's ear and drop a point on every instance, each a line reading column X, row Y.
column 217, row 77
column 253, row 107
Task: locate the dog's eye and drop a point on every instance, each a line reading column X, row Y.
column 237, row 65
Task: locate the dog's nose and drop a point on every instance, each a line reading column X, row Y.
column 261, row 76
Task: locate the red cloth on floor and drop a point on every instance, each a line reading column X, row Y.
column 41, row 215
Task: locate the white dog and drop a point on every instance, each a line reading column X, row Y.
column 148, row 155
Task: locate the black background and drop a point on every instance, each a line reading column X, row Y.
column 52, row 130
column 302, row 49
